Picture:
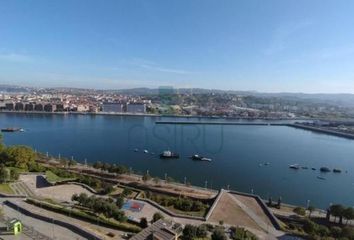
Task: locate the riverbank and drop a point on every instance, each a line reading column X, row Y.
column 151, row 115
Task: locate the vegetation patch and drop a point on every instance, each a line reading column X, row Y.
column 123, row 226
column 53, row 178
column 179, row 205
column 5, row 188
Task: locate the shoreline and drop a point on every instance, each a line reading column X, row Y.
column 152, row 115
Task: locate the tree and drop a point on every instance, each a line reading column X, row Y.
column 19, row 156
column 120, row 202
column 310, row 209
column 189, row 232
column 348, row 214
column 202, row 231
column 4, row 174
column 337, row 211
column 157, row 216
column 218, row 234
column 143, row 223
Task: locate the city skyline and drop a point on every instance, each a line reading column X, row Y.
column 277, row 46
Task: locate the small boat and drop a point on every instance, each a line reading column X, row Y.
column 304, row 168
column 12, row 130
column 152, row 153
column 200, row 158
column 146, row 151
column 294, row 166
column 169, row 154
column 267, row 163
column 337, row 170
column 136, row 150
column 314, row 169
column 322, row 178
column 325, row 169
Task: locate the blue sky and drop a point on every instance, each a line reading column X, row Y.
column 270, row 46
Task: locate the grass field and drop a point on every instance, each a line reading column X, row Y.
column 53, row 178
column 5, row 188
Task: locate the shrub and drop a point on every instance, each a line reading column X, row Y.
column 300, row 211
column 218, row 234
column 157, row 216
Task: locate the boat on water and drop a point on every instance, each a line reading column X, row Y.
column 169, row 154
column 146, row 151
column 313, row 169
column 200, row 158
column 325, row 169
column 12, row 130
column 294, row 166
column 321, row 178
column 337, row 170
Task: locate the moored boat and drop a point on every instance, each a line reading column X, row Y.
column 12, row 130
column 294, row 166
column 169, row 154
column 325, row 169
column 337, row 170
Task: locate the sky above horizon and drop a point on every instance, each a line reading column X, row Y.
column 268, row 46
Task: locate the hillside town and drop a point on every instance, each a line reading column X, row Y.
column 169, row 102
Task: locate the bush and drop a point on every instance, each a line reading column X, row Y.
column 218, row 234
column 189, row 232
column 157, row 216
column 300, row 211
column 143, row 223
column 310, row 227
column 202, row 231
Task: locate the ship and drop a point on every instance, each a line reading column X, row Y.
column 12, row 130
column 337, row 170
column 325, row 169
column 169, row 154
column 200, row 158
column 294, row 166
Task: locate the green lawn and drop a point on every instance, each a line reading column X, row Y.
column 5, row 188
column 53, row 178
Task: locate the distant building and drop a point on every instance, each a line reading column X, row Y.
column 50, row 107
column 136, row 108
column 160, row 230
column 19, row 106
column 82, row 108
column 112, row 107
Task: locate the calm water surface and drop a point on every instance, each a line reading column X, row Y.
column 237, row 153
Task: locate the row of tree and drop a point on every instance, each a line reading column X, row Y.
column 112, row 168
column 341, row 212
column 105, row 206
